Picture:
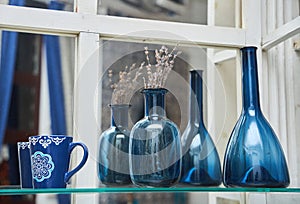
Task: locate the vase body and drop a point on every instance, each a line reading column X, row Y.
column 254, row 156
column 200, row 162
column 113, row 163
column 154, row 146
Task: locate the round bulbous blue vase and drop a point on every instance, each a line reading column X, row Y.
column 254, row 156
column 113, row 164
column 200, row 162
column 154, row 145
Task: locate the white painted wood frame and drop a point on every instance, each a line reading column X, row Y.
column 118, row 28
column 88, row 27
column 86, row 95
column 87, row 118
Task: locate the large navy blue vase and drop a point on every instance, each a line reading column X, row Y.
column 113, row 164
column 200, row 163
column 154, row 146
column 253, row 157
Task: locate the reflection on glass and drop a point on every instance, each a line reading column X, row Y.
column 154, row 145
column 28, row 101
column 168, row 10
column 67, row 5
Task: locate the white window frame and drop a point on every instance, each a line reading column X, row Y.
column 86, row 26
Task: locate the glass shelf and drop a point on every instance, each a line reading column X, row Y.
column 18, row 191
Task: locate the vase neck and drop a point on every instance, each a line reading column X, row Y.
column 250, row 79
column 196, row 97
column 154, row 102
column 119, row 115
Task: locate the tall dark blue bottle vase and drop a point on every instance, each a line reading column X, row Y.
column 200, row 163
column 253, row 157
column 154, row 146
column 113, row 163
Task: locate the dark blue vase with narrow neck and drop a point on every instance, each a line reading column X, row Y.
column 200, row 163
column 113, row 166
column 154, row 145
column 253, row 157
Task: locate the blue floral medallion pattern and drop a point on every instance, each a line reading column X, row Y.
column 42, row 166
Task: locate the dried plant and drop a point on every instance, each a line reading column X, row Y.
column 128, row 81
column 154, row 76
column 157, row 74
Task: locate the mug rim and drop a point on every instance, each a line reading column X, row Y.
column 22, row 142
column 50, row 136
column 23, row 145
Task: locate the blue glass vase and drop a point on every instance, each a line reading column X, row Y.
column 154, row 145
column 113, row 163
column 253, row 157
column 200, row 163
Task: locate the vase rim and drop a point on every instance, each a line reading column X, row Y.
column 119, row 105
column 154, row 90
column 249, row 48
column 197, row 70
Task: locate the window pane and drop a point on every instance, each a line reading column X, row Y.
column 186, row 11
column 59, row 5
column 169, row 10
column 116, row 60
column 31, row 57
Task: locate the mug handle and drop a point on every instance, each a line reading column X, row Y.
column 72, row 145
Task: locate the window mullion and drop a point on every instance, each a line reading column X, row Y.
column 86, row 108
column 86, row 6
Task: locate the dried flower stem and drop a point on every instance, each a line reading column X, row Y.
column 127, row 82
column 157, row 75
